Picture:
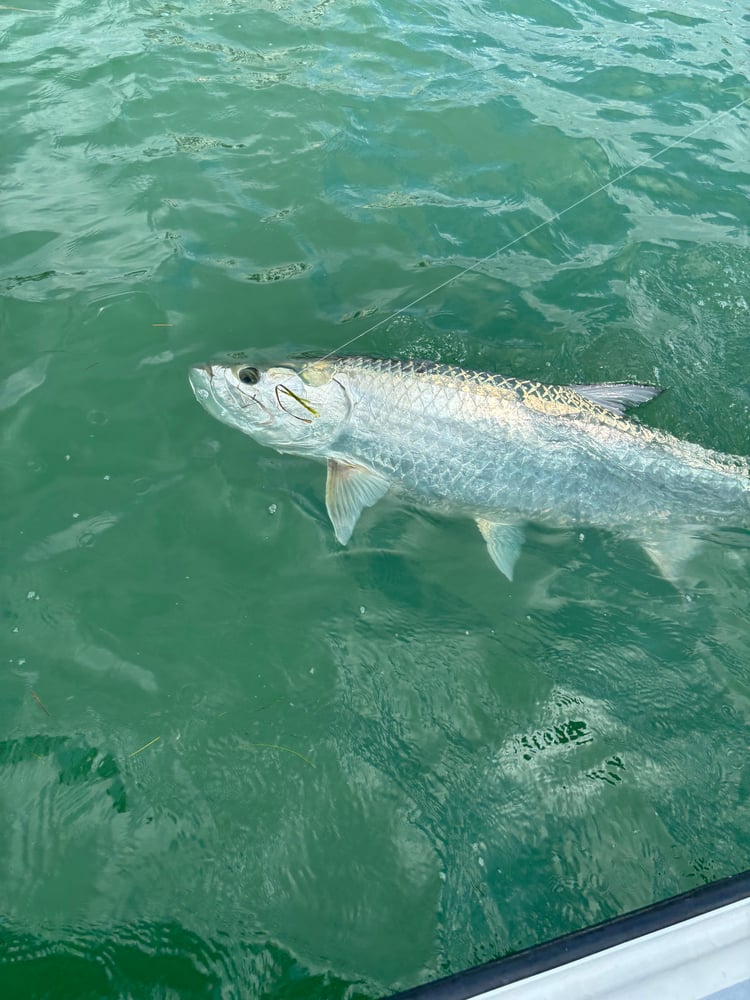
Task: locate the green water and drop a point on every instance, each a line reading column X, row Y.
column 361, row 768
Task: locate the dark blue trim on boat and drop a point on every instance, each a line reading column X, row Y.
column 571, row 947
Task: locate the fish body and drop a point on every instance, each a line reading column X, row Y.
column 502, row 451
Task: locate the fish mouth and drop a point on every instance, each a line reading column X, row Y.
column 201, row 378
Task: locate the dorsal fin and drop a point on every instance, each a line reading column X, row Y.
column 617, row 396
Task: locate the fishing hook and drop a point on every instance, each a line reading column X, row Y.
column 302, row 402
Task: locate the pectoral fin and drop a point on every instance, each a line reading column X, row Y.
column 349, row 489
column 671, row 551
column 504, row 543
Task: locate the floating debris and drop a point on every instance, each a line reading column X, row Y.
column 144, row 747
column 278, row 746
column 39, row 702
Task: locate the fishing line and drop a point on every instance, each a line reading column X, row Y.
column 538, row 226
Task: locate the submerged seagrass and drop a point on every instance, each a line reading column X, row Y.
column 474, row 444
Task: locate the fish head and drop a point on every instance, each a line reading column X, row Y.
column 296, row 408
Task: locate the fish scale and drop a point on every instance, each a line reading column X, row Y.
column 497, row 434
column 501, row 450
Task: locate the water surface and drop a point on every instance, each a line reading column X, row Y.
column 235, row 759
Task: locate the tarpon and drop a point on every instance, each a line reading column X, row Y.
column 502, row 451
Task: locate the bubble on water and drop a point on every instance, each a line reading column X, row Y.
column 31, row 595
column 272, row 508
column 362, row 609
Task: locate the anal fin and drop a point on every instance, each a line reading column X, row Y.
column 349, row 489
column 504, row 543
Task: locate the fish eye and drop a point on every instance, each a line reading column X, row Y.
column 248, row 376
